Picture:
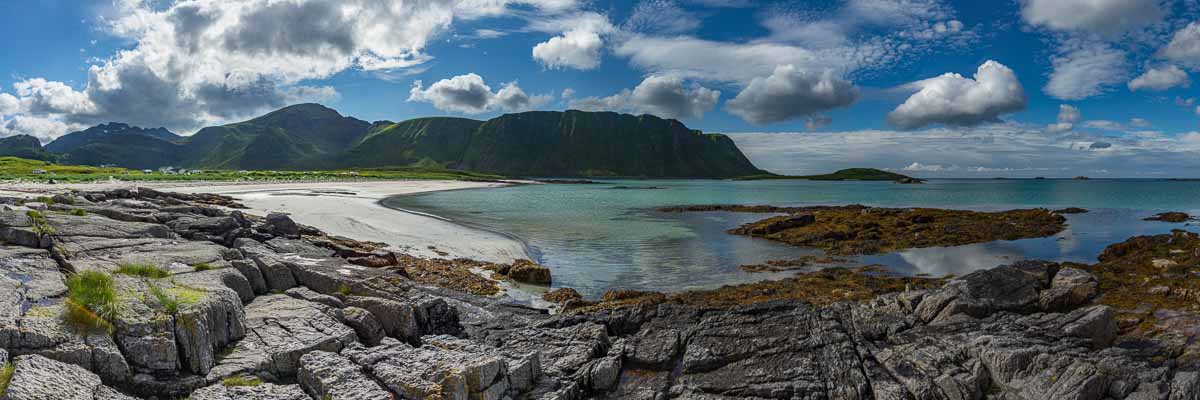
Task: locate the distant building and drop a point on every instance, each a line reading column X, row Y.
column 39, row 172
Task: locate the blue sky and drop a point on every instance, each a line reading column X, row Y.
column 935, row 88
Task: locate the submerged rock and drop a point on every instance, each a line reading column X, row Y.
column 1173, row 216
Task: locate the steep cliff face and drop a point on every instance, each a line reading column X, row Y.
column 571, row 143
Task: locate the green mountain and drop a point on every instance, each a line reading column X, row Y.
column 304, row 136
column 25, row 146
column 311, row 136
column 546, row 143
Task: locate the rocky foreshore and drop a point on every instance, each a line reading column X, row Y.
column 145, row 294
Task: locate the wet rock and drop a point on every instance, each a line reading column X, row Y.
column 1071, row 287
column 562, row 295
column 526, row 271
column 327, row 375
column 782, row 223
column 39, row 378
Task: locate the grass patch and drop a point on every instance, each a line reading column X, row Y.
column 6, row 374
column 39, row 224
column 78, row 212
column 143, row 270
column 203, row 267
column 91, row 300
column 345, row 290
column 235, row 381
column 168, row 302
column 186, row 295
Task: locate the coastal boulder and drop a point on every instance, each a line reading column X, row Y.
column 1071, row 287
column 279, row 224
column 526, row 271
column 1013, row 288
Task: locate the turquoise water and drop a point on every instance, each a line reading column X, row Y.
column 601, row 237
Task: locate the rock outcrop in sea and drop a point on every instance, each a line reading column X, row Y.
column 216, row 304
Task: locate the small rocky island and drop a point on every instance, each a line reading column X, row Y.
column 129, row 294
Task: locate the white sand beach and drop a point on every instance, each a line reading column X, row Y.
column 349, row 209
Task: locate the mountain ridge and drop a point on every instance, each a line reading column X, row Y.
column 534, row 143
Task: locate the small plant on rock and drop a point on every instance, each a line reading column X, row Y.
column 168, row 302
column 78, row 212
column 91, row 300
column 234, row 381
column 39, row 224
column 345, row 290
column 203, row 267
column 143, row 270
column 6, row 374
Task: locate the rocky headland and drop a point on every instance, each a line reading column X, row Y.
column 128, row 294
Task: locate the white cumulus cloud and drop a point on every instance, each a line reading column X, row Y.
column 9, row 104
column 953, row 99
column 1161, row 78
column 1099, row 16
column 469, row 94
column 579, row 49
column 790, row 93
column 661, row 95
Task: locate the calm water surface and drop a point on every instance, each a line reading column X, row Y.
column 600, row 237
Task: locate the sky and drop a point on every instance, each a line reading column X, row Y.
column 932, row 88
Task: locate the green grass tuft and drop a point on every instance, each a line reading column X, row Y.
column 143, row 270
column 78, row 212
column 234, row 381
column 39, row 224
column 6, row 374
column 203, row 267
column 345, row 290
column 168, row 302
column 91, row 300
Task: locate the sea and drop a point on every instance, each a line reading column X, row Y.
column 608, row 235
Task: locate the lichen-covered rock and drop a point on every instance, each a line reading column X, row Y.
column 39, row 378
column 265, row 391
column 1007, row 288
column 279, row 330
column 433, row 372
column 326, row 375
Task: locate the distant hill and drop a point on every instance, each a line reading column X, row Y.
column 311, row 136
column 849, row 174
column 25, row 146
column 115, row 143
column 545, row 143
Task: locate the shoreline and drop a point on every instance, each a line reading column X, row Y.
column 352, row 208
column 356, row 210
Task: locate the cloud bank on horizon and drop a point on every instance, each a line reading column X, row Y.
column 932, row 87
